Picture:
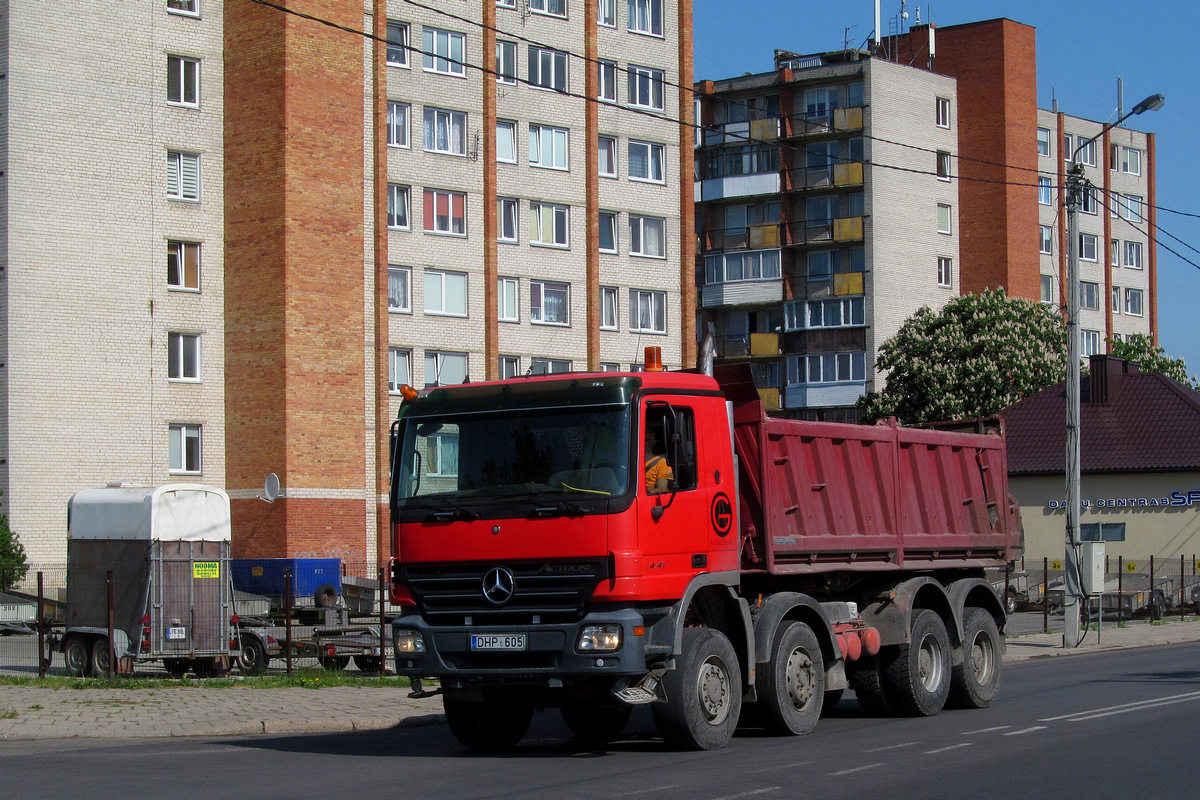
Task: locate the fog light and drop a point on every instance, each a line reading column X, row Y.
column 599, row 638
column 409, row 640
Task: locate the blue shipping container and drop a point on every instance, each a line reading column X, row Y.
column 265, row 575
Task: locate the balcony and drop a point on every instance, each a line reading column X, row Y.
column 823, row 394
column 741, row 293
column 838, row 175
column 753, row 237
column 741, row 345
column 762, row 130
column 737, row 186
column 846, row 229
column 835, row 120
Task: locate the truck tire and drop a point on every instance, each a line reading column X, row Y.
column 975, row 682
column 916, row 675
column 792, row 686
column 597, row 725
column 493, row 724
column 253, row 659
column 78, row 657
column 865, row 680
column 100, row 657
column 703, row 692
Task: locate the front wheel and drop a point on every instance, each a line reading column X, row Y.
column 493, row 724
column 793, row 682
column 704, row 693
column 916, row 675
column 975, row 682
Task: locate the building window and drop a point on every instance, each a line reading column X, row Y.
column 1088, row 200
column 944, row 218
column 445, row 212
column 184, row 449
column 397, row 124
column 445, row 293
column 547, row 68
column 1067, row 150
column 445, row 369
column 1114, row 252
column 1043, row 141
column 506, row 61
column 507, row 298
column 607, row 13
column 442, row 51
column 445, row 132
column 183, row 176
column 942, row 111
column 548, row 225
column 1089, row 296
column 400, row 289
column 183, row 357
column 1131, row 161
column 1133, row 255
column 647, row 311
column 399, row 369
column 554, row 8
column 548, row 366
column 1087, row 152
column 510, row 367
column 646, row 162
column 189, row 7
column 506, row 224
column 1048, row 289
column 547, row 146
column 645, row 87
column 645, row 16
column 183, row 266
column 397, row 212
column 1133, row 302
column 608, row 80
column 1128, row 206
column 647, row 236
column 1087, row 247
column 1116, row 300
column 397, row 43
column 1045, row 238
column 507, row 3
column 755, row 265
column 1045, row 197
column 1102, row 532
column 183, row 81
column 506, row 141
column 945, row 271
column 844, row 312
column 608, row 231
column 549, row 303
column 826, row 368
column 609, row 310
column 1089, row 342
column 608, row 156
column 943, row 165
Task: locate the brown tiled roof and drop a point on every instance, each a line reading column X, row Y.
column 1149, row 422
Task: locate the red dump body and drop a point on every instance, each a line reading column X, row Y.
column 821, row 496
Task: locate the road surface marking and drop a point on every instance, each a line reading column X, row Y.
column 855, row 769
column 892, row 747
column 1025, row 730
column 945, row 749
column 750, row 794
column 988, row 730
column 1152, row 703
column 647, row 791
column 779, row 767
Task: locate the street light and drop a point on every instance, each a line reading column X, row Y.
column 1076, row 186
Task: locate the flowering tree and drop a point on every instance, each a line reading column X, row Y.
column 979, row 354
column 1140, row 348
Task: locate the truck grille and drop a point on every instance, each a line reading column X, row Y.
column 552, row 590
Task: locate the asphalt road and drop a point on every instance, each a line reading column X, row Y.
column 1112, row 725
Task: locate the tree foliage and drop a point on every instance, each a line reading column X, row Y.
column 12, row 557
column 979, row 354
column 1140, row 348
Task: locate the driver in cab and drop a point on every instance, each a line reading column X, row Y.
column 658, row 471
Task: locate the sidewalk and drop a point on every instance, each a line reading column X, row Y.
column 37, row 713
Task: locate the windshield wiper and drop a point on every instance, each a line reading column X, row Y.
column 452, row 513
column 552, row 507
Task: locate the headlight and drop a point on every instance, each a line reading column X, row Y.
column 599, row 639
column 409, row 640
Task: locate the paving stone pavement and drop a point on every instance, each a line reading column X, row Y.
column 33, row 712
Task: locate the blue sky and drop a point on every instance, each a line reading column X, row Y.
column 1084, row 46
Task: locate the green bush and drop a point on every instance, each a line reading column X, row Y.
column 12, row 557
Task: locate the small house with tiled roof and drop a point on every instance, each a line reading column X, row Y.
column 1139, row 464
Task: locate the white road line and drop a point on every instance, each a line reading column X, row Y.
column 1025, row 730
column 749, row 794
column 892, row 747
column 647, row 791
column 1139, row 708
column 1140, row 703
column 988, row 730
column 852, row 770
column 945, row 749
column 779, row 767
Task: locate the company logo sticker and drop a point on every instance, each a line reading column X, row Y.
column 721, row 514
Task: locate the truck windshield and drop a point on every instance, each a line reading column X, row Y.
column 575, row 454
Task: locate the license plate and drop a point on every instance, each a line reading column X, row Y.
column 176, row 633
column 498, row 641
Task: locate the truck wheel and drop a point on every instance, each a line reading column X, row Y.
column 100, row 657
column 916, row 675
column 1010, row 601
column 974, row 683
column 793, row 682
column 704, row 693
column 597, row 725
column 494, row 724
column 176, row 667
column 334, row 663
column 369, row 664
column 78, row 657
column 865, row 680
column 254, row 658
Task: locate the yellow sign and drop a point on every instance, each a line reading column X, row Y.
column 1131, row 566
column 206, row 569
column 256, row 571
column 1055, row 565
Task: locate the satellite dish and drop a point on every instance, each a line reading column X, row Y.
column 271, row 488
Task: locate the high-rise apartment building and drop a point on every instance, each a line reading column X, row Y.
column 466, row 192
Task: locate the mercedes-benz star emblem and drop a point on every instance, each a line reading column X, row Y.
column 498, row 585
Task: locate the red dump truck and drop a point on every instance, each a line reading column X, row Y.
column 542, row 560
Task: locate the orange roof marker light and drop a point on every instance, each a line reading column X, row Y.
column 407, row 392
column 653, row 359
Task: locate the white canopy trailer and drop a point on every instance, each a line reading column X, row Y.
column 168, row 550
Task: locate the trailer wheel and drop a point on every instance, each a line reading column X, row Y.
column 334, row 663
column 704, row 693
column 1010, row 601
column 100, row 657
column 597, row 725
column 253, row 659
column 369, row 664
column 864, row 678
column 975, row 682
column 325, row 596
column 916, row 675
column 493, row 724
column 793, row 682
column 176, row 667
column 77, row 656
